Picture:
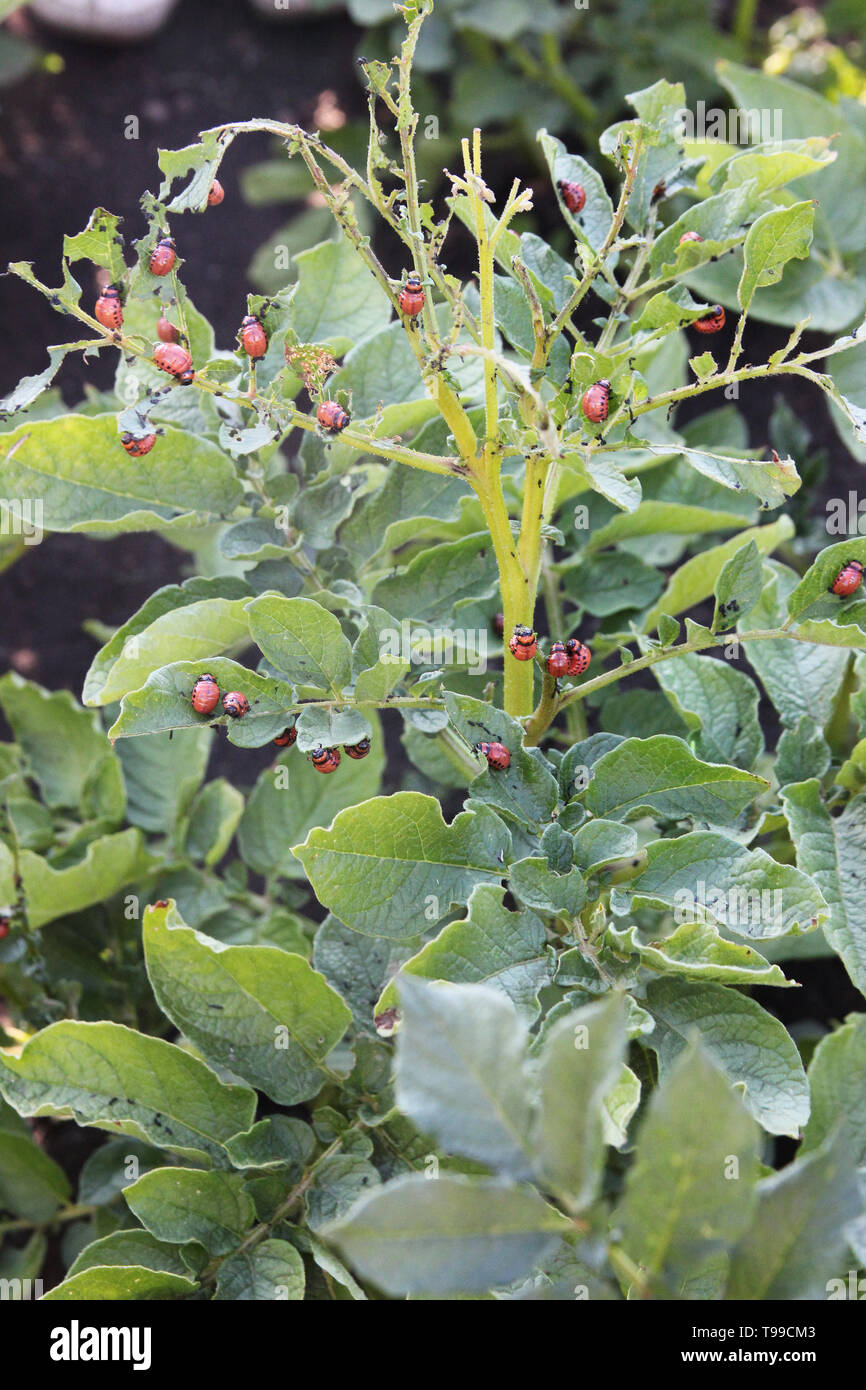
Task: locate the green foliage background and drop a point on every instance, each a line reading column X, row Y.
column 490, row 1033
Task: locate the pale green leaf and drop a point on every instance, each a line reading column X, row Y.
column 379, row 865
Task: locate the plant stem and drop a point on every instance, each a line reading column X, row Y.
column 429, row 463
column 574, row 716
column 598, row 257
column 472, row 165
column 71, row 1213
column 744, row 21
column 548, row 708
column 263, row 1229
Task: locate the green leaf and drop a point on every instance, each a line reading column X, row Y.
column 275, row 181
column 655, row 516
column 329, row 1264
column 539, row 887
column 460, row 1072
column 87, row 482
column 191, row 633
column 162, row 776
column 799, row 677
column 132, row 1283
column 830, row 850
column 268, row 1271
column 491, row 946
column 339, row 1182
column 610, row 583
column 359, row 967
column 669, row 309
column 166, row 600
column 380, row 864
column 704, row 365
column 278, row 1141
column 796, row 1240
column 526, row 789
column 709, row 877
column 806, row 114
column 214, row 817
column 273, row 266
column 291, row 798
column 110, row 862
column 337, row 302
column 163, row 703
column 100, row 242
column 738, row 587
column 771, row 482
column 751, row 1047
column 181, row 1204
column 129, row 1248
column 384, row 380
column 836, row 1086
column 438, row 578
column 42, row 722
column 23, row 1262
column 379, row 670
column 109, row 1076
column 600, row 842
column 303, row 640
column 320, row 727
column 772, row 164
column 607, row 479
column 261, row 1012
column 408, row 499
column 776, row 238
column 683, row 1199
column 107, row 1172
column 202, row 160
column 620, row 1104
column 30, row 388
column 580, row 1062
column 697, row 950
column 32, row 1185
column 592, row 224
column 661, row 774
column 447, row 1236
column 847, row 397
column 695, row 579
column 812, row 594
column 802, row 753
column 718, row 221
column 427, row 752
column 720, row 702
column 828, row 633
column 273, row 1269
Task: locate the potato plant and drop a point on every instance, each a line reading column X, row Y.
column 423, row 1019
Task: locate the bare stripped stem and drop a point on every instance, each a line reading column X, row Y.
column 291, row 418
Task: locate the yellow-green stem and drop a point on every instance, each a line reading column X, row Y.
column 518, row 598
